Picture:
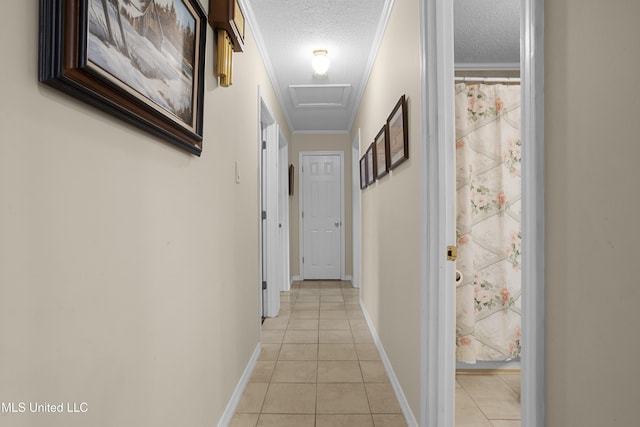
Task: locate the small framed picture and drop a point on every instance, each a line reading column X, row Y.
column 291, row 179
column 381, row 144
column 398, row 129
column 371, row 175
column 363, row 172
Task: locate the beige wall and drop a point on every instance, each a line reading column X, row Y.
column 592, row 202
column 318, row 142
column 128, row 268
column 391, row 208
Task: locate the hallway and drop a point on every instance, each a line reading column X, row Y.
column 319, row 366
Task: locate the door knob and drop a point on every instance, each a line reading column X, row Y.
column 337, row 224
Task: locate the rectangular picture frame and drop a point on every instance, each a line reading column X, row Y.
column 398, row 129
column 363, row 172
column 381, row 148
column 371, row 165
column 113, row 55
column 291, row 179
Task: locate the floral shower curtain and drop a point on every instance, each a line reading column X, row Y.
column 488, row 222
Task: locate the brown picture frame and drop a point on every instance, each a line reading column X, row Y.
column 109, row 56
column 291, row 179
column 363, row 172
column 398, row 130
column 381, row 152
column 371, row 165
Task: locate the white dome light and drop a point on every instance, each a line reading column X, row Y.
column 320, row 62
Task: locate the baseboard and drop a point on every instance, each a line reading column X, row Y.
column 295, row 279
column 227, row 415
column 347, row 278
column 402, row 399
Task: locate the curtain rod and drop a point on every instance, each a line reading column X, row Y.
column 489, row 79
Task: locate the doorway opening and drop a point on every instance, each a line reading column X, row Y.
column 438, row 408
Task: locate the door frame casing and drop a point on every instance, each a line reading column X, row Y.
column 283, row 212
column 301, row 156
column 268, row 227
column 437, row 176
column 356, row 224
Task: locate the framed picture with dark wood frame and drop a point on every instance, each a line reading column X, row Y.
column 142, row 61
column 371, row 165
column 363, row 172
column 398, row 129
column 381, row 147
column 291, row 179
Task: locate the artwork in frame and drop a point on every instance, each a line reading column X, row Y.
column 381, row 147
column 140, row 60
column 291, row 179
column 371, row 166
column 398, row 128
column 363, row 172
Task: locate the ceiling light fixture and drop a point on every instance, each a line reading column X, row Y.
column 320, row 62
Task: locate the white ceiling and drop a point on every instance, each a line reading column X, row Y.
column 288, row 31
column 487, row 34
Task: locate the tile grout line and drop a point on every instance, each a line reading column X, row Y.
column 357, row 357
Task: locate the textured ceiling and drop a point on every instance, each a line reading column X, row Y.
column 288, row 31
column 487, row 34
column 292, row 30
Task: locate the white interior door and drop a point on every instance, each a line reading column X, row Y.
column 269, row 212
column 284, row 278
column 263, row 228
column 321, row 216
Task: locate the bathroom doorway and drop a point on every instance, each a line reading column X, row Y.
column 440, row 187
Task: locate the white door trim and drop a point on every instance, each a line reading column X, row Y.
column 301, row 156
column 438, row 364
column 533, row 349
column 438, row 337
column 271, row 307
column 283, row 212
column 356, row 222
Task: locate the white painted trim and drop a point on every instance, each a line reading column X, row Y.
column 250, row 19
column 373, row 53
column 283, row 212
column 348, row 278
column 273, row 255
column 301, row 200
column 533, row 345
column 356, row 222
column 296, row 279
column 438, row 231
column 344, row 99
column 402, row 399
column 230, row 409
column 437, row 402
column 260, row 104
column 268, row 189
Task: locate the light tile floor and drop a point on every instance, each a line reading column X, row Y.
column 488, row 400
column 319, row 366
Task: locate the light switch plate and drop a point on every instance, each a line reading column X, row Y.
column 237, row 172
